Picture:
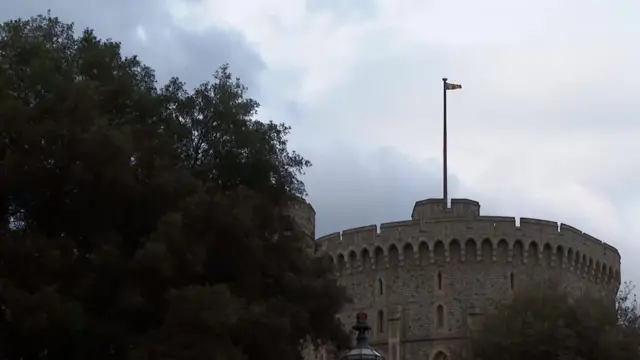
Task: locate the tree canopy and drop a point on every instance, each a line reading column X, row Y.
column 143, row 221
column 548, row 323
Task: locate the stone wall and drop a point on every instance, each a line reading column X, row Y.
column 426, row 282
column 305, row 217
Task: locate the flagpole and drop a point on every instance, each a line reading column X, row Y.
column 445, row 194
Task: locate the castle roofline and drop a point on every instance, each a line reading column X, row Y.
column 434, row 208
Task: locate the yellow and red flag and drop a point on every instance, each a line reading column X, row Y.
column 450, row 86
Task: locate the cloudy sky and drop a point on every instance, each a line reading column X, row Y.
column 546, row 125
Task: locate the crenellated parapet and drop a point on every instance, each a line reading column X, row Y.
column 436, row 234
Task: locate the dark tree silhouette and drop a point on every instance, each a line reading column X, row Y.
column 547, row 323
column 143, row 222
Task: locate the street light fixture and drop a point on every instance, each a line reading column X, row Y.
column 362, row 350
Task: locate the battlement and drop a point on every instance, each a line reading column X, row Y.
column 432, row 224
column 434, row 209
column 428, row 216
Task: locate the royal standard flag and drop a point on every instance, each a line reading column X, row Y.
column 449, row 86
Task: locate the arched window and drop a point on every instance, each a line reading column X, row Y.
column 440, row 316
column 511, row 281
column 380, row 287
column 380, row 321
column 439, row 280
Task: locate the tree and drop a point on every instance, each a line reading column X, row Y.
column 143, row 222
column 220, row 143
column 548, row 323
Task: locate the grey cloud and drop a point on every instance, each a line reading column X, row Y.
column 169, row 49
column 384, row 91
column 404, row 84
column 194, row 57
column 344, row 10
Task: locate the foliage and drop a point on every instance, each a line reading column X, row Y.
column 548, row 323
column 143, row 222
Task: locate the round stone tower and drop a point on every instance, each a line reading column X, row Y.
column 427, row 282
column 305, row 217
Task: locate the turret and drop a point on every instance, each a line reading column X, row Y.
column 435, row 209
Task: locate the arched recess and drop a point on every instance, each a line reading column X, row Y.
column 394, row 256
column 440, row 355
column 341, row 263
column 560, row 256
column 518, row 252
column 408, row 255
column 502, row 251
column 570, row 259
column 592, row 265
column 546, row 254
column 533, row 254
column 588, row 267
column 487, row 251
column 438, row 252
column 471, row 250
column 353, row 260
column 366, row 259
column 455, row 251
column 379, row 258
column 423, row 253
column 577, row 263
column 440, row 318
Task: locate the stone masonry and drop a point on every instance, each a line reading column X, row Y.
column 425, row 283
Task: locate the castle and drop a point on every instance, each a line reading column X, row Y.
column 426, row 282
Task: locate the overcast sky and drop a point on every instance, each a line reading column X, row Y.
column 546, row 126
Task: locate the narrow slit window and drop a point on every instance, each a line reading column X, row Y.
column 380, row 287
column 511, row 281
column 380, row 321
column 439, row 280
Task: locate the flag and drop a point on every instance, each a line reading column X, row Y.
column 449, row 86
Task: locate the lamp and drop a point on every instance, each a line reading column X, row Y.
column 362, row 350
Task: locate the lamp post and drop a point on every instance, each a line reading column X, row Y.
column 362, row 350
